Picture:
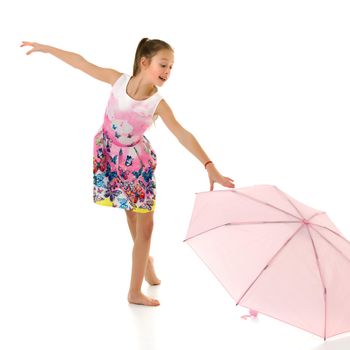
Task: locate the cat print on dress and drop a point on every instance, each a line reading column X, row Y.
column 124, row 161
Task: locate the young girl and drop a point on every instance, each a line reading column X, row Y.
column 124, row 161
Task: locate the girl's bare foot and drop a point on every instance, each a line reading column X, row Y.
column 141, row 299
column 150, row 275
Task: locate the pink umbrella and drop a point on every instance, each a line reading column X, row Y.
column 275, row 255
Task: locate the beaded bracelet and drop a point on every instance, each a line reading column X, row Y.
column 205, row 165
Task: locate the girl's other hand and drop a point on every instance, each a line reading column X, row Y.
column 36, row 47
column 215, row 176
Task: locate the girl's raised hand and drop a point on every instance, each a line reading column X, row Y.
column 36, row 47
column 215, row 176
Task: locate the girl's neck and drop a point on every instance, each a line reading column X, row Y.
column 139, row 88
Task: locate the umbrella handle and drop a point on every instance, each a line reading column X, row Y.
column 252, row 313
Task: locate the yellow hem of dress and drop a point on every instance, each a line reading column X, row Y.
column 108, row 203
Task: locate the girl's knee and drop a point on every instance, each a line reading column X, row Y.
column 145, row 235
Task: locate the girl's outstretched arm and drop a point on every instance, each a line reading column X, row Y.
column 107, row 75
column 191, row 144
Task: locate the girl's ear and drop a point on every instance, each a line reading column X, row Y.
column 144, row 62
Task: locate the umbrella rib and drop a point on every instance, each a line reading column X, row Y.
column 295, row 207
column 242, row 223
column 269, row 262
column 322, row 280
column 330, row 243
column 265, row 203
column 262, row 222
column 319, row 213
column 336, row 233
column 290, row 202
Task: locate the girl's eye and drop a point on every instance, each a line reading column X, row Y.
column 163, row 65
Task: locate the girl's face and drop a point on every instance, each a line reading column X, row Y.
column 160, row 67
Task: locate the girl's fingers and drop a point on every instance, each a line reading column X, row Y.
column 27, row 43
column 229, row 184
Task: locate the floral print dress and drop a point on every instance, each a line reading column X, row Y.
column 124, row 161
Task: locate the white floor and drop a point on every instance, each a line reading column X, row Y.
column 64, row 286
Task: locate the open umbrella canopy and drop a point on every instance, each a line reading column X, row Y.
column 275, row 255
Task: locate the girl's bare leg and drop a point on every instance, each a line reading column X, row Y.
column 140, row 253
column 150, row 275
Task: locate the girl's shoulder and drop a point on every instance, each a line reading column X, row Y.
column 115, row 76
column 162, row 107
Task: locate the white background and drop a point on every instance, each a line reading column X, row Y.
column 263, row 86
